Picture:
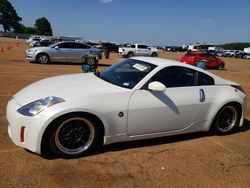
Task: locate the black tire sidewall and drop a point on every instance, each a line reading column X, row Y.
column 216, row 129
column 41, row 55
column 53, row 147
column 130, row 54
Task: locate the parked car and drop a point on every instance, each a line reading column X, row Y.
column 239, row 54
column 138, row 50
column 44, row 42
column 230, row 53
column 30, row 39
column 137, row 98
column 33, row 41
column 215, row 53
column 212, row 61
column 246, row 56
column 110, row 46
column 174, row 48
column 73, row 52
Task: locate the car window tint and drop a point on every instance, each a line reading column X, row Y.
column 203, row 55
column 143, row 46
column 204, row 79
column 127, row 73
column 64, row 45
column 79, row 46
column 211, row 56
column 190, row 54
column 132, row 46
column 176, row 76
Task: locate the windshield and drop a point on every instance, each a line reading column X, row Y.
column 126, row 73
column 52, row 45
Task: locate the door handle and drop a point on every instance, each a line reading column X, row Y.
column 202, row 95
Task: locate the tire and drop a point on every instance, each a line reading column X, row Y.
column 226, row 120
column 154, row 54
column 130, row 54
column 220, row 67
column 74, row 136
column 42, row 58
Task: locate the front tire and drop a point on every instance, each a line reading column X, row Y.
column 226, row 120
column 74, row 136
column 42, row 58
column 154, row 54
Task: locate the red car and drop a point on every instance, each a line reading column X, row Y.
column 212, row 61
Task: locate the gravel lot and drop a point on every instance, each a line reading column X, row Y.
column 193, row 160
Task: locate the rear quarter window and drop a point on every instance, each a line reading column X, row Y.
column 204, row 79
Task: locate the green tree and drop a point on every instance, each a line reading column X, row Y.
column 43, row 27
column 20, row 29
column 8, row 16
column 30, row 30
column 236, row 45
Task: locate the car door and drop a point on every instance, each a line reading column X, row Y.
column 77, row 51
column 213, row 61
column 142, row 50
column 175, row 109
column 59, row 52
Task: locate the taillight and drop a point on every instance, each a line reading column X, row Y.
column 238, row 88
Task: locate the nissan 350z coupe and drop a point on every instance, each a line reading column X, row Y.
column 137, row 98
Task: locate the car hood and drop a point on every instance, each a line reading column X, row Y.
column 65, row 86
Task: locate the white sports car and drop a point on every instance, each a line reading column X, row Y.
column 137, row 98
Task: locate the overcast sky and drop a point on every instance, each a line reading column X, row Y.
column 157, row 22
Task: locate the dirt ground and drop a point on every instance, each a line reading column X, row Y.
column 193, row 160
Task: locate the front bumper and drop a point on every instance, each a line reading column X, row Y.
column 33, row 128
column 30, row 56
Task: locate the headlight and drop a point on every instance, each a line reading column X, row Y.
column 38, row 106
column 31, row 51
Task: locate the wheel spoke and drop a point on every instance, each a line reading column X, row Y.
column 227, row 119
column 74, row 135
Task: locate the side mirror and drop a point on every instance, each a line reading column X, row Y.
column 156, row 86
column 56, row 47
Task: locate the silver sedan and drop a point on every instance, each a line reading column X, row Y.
column 73, row 52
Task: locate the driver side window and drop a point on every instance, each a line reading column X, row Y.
column 176, row 76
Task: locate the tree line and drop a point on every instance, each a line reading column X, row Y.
column 236, row 46
column 10, row 21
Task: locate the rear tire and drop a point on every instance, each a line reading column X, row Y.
column 74, row 135
column 42, row 58
column 226, row 120
column 220, row 67
column 130, row 54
